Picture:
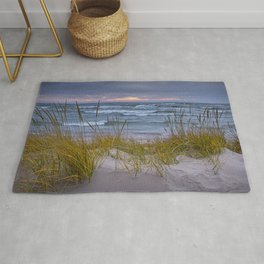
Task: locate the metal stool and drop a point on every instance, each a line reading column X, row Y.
column 23, row 54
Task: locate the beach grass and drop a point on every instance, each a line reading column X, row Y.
column 56, row 158
column 57, row 162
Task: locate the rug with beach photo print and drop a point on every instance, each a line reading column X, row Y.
column 132, row 137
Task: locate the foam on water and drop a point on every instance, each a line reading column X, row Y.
column 140, row 118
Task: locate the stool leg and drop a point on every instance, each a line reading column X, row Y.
column 46, row 11
column 40, row 55
column 13, row 77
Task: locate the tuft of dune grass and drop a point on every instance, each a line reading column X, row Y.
column 57, row 162
column 57, row 159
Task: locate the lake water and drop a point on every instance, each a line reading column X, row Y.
column 142, row 120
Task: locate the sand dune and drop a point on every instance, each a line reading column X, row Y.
column 188, row 175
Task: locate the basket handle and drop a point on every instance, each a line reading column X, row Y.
column 74, row 6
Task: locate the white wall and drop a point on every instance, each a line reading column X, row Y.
column 151, row 13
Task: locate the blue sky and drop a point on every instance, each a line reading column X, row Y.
column 92, row 92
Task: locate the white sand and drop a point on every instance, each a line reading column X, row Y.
column 199, row 175
column 188, row 175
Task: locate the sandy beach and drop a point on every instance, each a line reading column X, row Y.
column 188, row 175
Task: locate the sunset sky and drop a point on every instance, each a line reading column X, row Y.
column 92, row 92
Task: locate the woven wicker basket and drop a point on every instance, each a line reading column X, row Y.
column 99, row 28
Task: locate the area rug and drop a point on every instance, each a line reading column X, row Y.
column 132, row 137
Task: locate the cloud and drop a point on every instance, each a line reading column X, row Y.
column 200, row 92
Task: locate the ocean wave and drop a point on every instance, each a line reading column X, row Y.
column 124, row 112
column 139, row 113
column 146, row 106
column 110, row 111
column 92, row 123
column 44, row 107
